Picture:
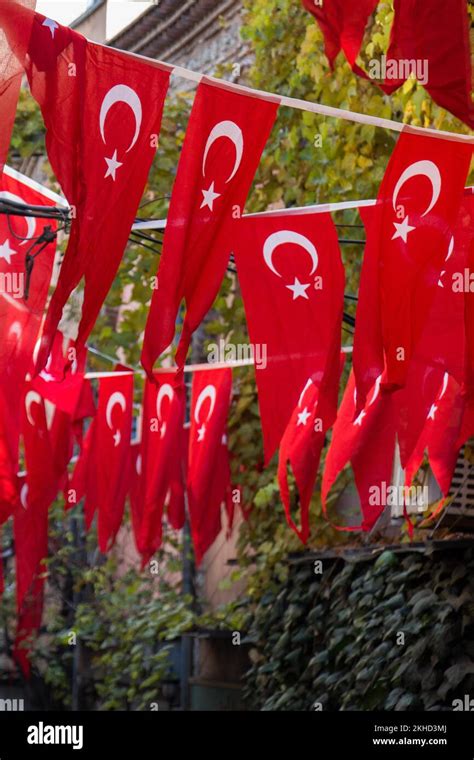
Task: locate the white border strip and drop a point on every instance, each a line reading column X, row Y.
column 297, row 103
column 158, row 224
column 321, row 208
column 188, row 367
column 57, row 199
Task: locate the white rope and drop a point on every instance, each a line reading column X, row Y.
column 297, row 103
column 188, row 368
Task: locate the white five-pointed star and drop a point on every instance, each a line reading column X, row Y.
column 432, row 412
column 303, row 416
column 6, row 252
column 209, row 196
column 51, row 25
column 117, row 438
column 359, row 419
column 402, row 230
column 440, row 281
column 163, row 430
column 201, row 432
column 112, row 166
column 299, row 290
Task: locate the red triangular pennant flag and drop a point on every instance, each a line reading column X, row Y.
column 407, row 243
column 102, row 111
column 292, row 279
column 226, row 135
column 208, row 480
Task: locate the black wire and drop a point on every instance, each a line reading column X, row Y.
column 155, row 200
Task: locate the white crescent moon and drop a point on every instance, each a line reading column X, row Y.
column 24, row 496
column 209, row 392
column 376, row 390
column 444, row 386
column 32, row 397
column 288, row 236
column 425, row 169
column 121, row 93
column 30, row 220
column 450, row 249
column 375, row 393
column 308, row 383
column 166, row 391
column 116, row 398
column 233, row 132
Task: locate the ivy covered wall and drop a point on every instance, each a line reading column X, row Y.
column 390, row 632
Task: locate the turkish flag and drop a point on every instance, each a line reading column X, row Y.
column 302, row 443
column 226, row 135
column 412, row 404
column 342, row 23
column 102, row 110
column 367, row 441
column 12, row 61
column 464, row 240
column 408, row 239
column 440, row 435
column 36, row 492
column 19, row 318
column 113, row 424
column 434, row 35
column 292, row 280
column 175, row 499
column 83, row 484
column 443, row 340
column 160, row 464
column 41, row 478
column 62, row 380
column 30, row 524
column 208, row 480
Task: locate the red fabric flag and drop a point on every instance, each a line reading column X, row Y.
column 2, row 578
column 12, row 60
column 220, row 156
column 367, row 441
column 208, row 476
column 175, row 502
column 407, row 242
column 412, row 404
column 102, row 110
column 37, row 490
column 30, row 524
column 342, row 23
column 112, row 441
column 83, row 483
column 292, row 279
column 432, row 41
column 440, row 435
column 303, row 442
column 464, row 284
column 19, row 318
column 40, row 478
column 160, row 460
